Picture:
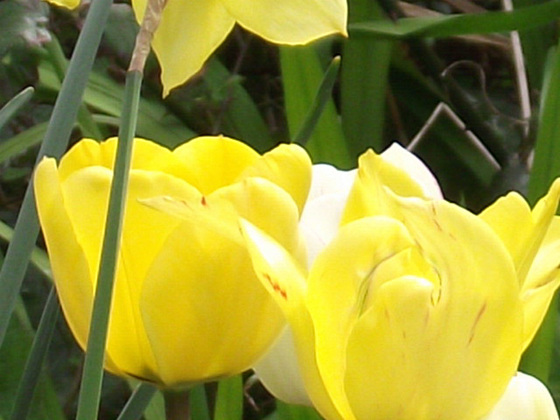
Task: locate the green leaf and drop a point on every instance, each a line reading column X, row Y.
column 22, row 141
column 365, row 67
column 199, row 403
column 138, row 402
column 240, row 116
column 463, row 24
column 302, row 75
column 546, row 167
column 14, row 105
column 103, row 94
column 13, row 356
column 295, row 412
column 229, row 401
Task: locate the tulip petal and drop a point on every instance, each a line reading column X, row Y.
column 188, row 266
column 521, row 230
column 319, row 222
column 542, row 282
column 284, row 279
column 188, row 34
column 214, row 162
column 146, row 155
column 76, row 297
column 474, row 317
column 399, row 157
column 368, row 196
column 290, row 21
column 288, row 166
column 327, row 179
column 525, row 398
column 280, row 373
column 74, row 283
column 86, row 195
column 338, row 286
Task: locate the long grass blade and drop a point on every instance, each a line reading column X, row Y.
column 54, row 144
column 90, row 391
column 138, row 401
column 14, row 105
column 36, row 357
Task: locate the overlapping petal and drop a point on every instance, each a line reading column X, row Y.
column 415, row 307
column 377, row 172
column 202, row 260
column 532, row 237
column 198, row 281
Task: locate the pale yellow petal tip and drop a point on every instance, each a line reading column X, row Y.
column 69, row 4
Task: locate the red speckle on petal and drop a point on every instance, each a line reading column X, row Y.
column 203, row 201
column 476, row 321
column 276, row 287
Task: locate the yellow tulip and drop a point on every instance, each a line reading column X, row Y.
column 187, row 306
column 417, row 309
column 190, row 31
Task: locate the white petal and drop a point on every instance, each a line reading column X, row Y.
column 327, row 179
column 279, row 371
column 525, row 398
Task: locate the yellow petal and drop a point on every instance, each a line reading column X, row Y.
column 188, row 34
column 217, row 299
column 542, row 282
column 521, row 230
column 210, row 294
column 338, row 289
column 253, row 199
column 368, row 196
column 69, row 4
column 144, row 233
column 146, row 155
column 463, row 339
column 284, row 279
column 290, row 21
column 399, row 157
column 214, row 162
column 288, row 166
column 74, row 283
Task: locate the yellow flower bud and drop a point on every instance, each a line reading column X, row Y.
column 187, row 306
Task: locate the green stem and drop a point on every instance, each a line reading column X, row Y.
column 92, row 376
column 54, row 144
column 177, row 405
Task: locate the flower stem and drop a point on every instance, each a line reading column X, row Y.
column 177, row 405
